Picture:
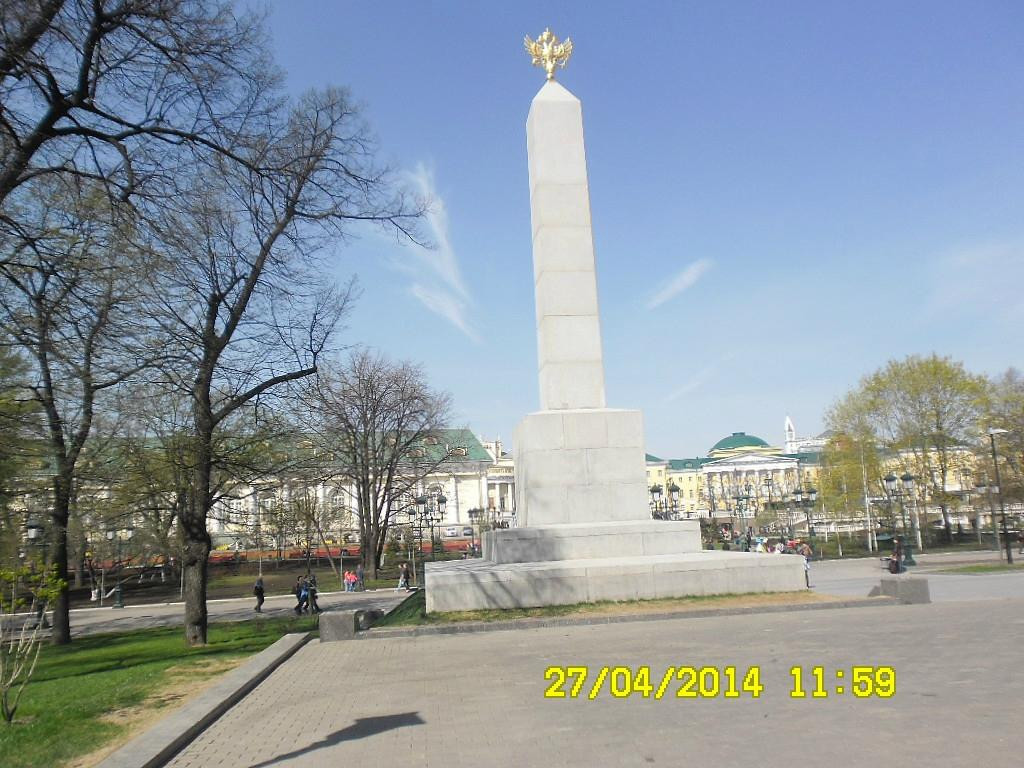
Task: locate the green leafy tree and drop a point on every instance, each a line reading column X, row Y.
column 1006, row 411
column 925, row 412
column 851, row 476
column 24, row 587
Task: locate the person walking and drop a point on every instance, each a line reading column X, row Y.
column 301, row 594
column 360, row 578
column 403, row 577
column 808, row 553
column 257, row 589
column 311, row 590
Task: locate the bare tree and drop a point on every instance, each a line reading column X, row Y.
column 381, row 422
column 68, row 299
column 111, row 90
column 240, row 292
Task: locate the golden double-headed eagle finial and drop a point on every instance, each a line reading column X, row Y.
column 548, row 51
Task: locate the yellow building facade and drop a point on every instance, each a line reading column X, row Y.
column 742, row 476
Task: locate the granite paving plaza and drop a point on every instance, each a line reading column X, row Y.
column 478, row 699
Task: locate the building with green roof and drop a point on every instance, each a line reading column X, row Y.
column 735, row 479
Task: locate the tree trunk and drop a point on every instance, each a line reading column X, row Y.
column 196, row 557
column 62, row 605
column 196, row 544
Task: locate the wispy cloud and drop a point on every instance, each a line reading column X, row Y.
column 685, row 279
column 436, row 277
column 699, row 378
column 441, row 302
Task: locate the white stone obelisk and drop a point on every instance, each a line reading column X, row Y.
column 576, row 460
column 568, row 325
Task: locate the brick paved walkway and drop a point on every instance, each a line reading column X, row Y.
column 477, row 700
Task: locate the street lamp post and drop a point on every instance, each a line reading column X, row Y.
column 988, row 491
column 421, row 523
column 810, row 499
column 768, row 483
column 742, row 507
column 114, row 535
column 890, row 481
column 656, row 501
column 749, row 506
column 430, row 510
column 907, row 480
column 673, row 492
column 34, row 531
column 437, row 518
column 1002, row 507
column 797, row 499
column 472, row 513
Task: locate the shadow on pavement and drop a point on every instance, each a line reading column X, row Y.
column 360, row 729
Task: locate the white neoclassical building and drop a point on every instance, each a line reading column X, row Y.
column 477, row 476
column 741, row 476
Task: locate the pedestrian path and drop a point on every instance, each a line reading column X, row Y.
column 465, row 701
column 90, row 621
column 856, row 577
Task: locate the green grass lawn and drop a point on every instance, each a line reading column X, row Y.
column 66, row 709
column 856, row 548
column 985, row 568
column 412, row 611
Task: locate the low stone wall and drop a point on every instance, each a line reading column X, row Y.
column 906, row 589
column 592, row 540
column 466, row 585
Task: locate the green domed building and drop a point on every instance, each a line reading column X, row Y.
column 742, row 475
column 740, row 442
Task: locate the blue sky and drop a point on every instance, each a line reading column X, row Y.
column 785, row 195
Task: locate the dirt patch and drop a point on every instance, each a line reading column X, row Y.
column 731, row 601
column 179, row 683
column 679, row 605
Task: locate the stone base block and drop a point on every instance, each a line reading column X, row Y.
column 580, row 466
column 338, row 625
column 585, row 541
column 906, row 589
column 469, row 585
